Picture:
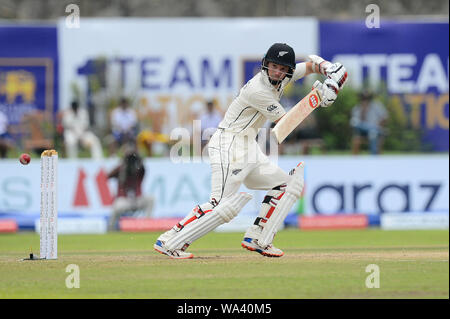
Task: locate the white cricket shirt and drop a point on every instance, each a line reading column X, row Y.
column 257, row 102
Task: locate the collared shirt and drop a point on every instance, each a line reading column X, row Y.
column 123, row 120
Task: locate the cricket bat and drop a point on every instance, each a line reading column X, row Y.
column 296, row 115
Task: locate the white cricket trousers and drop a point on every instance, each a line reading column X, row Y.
column 87, row 139
column 235, row 160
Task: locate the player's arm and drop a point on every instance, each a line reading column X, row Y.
column 334, row 71
column 309, row 68
column 306, row 68
column 268, row 106
column 317, row 65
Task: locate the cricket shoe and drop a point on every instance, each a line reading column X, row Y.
column 175, row 254
column 269, row 251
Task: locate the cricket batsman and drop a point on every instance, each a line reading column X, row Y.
column 235, row 157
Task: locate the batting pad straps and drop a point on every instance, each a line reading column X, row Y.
column 293, row 191
column 196, row 213
column 269, row 203
column 267, row 199
column 227, row 209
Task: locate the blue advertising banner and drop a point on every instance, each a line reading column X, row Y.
column 28, row 71
column 411, row 59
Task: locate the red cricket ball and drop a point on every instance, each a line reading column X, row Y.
column 24, row 159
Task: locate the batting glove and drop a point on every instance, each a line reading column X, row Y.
column 328, row 91
column 337, row 73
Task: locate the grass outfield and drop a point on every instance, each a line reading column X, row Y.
column 320, row 264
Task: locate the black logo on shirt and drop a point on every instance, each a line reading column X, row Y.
column 236, row 171
column 271, row 108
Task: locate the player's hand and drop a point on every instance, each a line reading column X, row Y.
column 337, row 73
column 328, row 90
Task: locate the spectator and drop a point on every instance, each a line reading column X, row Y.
column 124, row 122
column 209, row 121
column 36, row 131
column 76, row 130
column 129, row 174
column 150, row 138
column 368, row 120
column 5, row 142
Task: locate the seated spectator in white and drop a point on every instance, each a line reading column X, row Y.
column 76, row 130
column 209, row 121
column 124, row 123
column 5, row 138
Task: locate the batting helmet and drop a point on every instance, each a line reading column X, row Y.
column 280, row 53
